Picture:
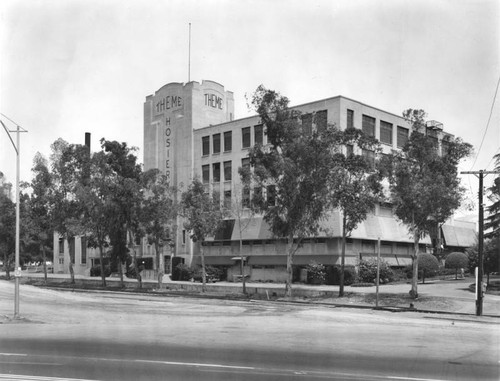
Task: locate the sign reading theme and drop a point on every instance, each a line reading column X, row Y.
column 213, row 100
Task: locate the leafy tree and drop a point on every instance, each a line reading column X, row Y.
column 354, row 185
column 491, row 257
column 70, row 169
column 7, row 230
column 424, row 184
column 95, row 196
column 203, row 215
column 243, row 216
column 456, row 260
column 158, row 214
column 427, row 264
column 492, row 225
column 126, row 195
column 294, row 168
column 39, row 211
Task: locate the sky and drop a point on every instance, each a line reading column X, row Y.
column 73, row 66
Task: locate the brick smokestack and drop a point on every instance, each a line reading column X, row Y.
column 87, row 140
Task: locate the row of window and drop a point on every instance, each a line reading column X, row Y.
column 386, row 128
column 246, row 137
column 319, row 118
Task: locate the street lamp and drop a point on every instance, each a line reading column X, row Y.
column 17, row 270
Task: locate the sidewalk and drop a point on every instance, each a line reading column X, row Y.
column 446, row 296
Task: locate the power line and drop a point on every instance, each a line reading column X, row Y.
column 487, row 124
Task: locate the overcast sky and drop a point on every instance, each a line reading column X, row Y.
column 75, row 66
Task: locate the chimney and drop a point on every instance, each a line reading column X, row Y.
column 87, row 140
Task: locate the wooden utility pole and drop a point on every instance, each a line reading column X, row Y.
column 479, row 281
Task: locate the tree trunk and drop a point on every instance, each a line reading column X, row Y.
column 120, row 267
column 71, row 261
column 242, row 265
column 159, row 265
column 203, row 273
column 103, row 273
column 6, row 266
column 414, row 280
column 44, row 257
column 289, row 267
column 342, row 257
column 71, row 271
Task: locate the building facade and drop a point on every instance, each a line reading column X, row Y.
column 190, row 131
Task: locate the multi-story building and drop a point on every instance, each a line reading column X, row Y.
column 190, row 131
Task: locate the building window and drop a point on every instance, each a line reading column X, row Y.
column 183, row 236
column 321, row 119
column 61, row 261
column 271, row 195
column 245, row 197
column 402, row 136
column 368, row 125
column 216, row 143
column 216, row 172
column 227, row 171
column 350, row 118
column 61, row 246
column 205, row 170
column 228, row 141
column 369, row 157
column 349, row 150
column 385, row 132
column 227, row 199
column 245, row 134
column 205, row 143
column 83, row 242
column 258, row 134
column 307, row 124
column 257, row 196
column 245, row 164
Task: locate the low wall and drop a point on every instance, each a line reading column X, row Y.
column 223, row 289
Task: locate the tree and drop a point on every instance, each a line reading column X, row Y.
column 158, row 213
column 424, row 183
column 428, row 264
column 126, row 195
column 293, row 170
column 70, row 168
column 39, row 210
column 203, row 215
column 239, row 208
column 354, row 185
column 96, row 196
column 7, row 230
column 491, row 257
column 492, row 225
column 456, row 260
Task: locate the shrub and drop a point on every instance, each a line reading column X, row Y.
column 456, row 261
column 368, row 271
column 96, row 270
column 333, row 275
column 183, row 272
column 213, row 274
column 316, row 273
column 428, row 265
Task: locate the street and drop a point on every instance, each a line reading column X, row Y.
column 108, row 336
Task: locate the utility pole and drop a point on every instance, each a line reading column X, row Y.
column 479, row 282
column 17, row 269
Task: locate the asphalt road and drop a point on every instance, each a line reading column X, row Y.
column 104, row 336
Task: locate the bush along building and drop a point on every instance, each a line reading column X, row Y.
column 190, row 132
